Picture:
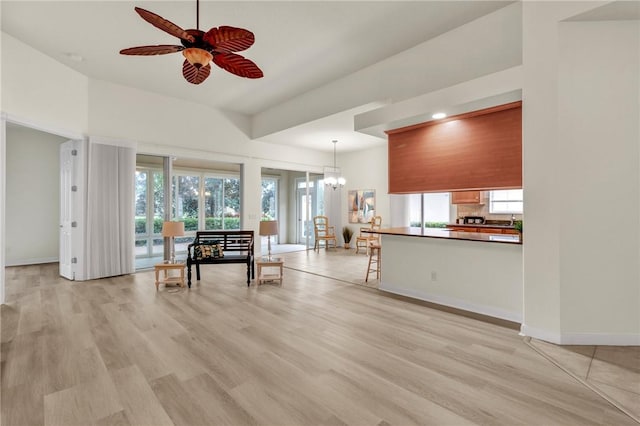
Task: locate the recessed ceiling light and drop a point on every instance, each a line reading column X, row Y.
column 74, row 56
column 438, row 115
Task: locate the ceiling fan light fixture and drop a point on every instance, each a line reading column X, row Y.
column 201, row 48
column 197, row 57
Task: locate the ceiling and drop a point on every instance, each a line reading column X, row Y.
column 300, row 46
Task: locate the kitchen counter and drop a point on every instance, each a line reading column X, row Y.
column 452, row 235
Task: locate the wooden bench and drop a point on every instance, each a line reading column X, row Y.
column 237, row 247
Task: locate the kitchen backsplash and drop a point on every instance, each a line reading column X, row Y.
column 482, row 209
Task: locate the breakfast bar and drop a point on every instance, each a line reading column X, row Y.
column 473, row 271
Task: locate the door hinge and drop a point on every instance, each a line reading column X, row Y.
column 74, row 260
column 74, row 188
column 74, row 224
column 74, row 152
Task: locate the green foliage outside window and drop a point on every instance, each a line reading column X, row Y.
column 430, row 224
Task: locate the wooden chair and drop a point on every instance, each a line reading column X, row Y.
column 365, row 239
column 323, row 232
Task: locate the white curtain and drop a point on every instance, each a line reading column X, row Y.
column 110, row 236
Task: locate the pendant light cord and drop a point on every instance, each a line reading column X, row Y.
column 198, row 15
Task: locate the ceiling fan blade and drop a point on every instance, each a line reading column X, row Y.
column 166, row 26
column 237, row 65
column 229, row 39
column 195, row 75
column 161, row 49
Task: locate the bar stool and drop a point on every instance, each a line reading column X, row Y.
column 375, row 257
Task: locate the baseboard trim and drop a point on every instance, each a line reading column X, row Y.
column 454, row 303
column 540, row 334
column 33, row 261
column 593, row 339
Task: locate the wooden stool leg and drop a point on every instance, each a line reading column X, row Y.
column 369, row 266
column 374, row 251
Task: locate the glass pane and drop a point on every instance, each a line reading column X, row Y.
column 158, row 246
column 269, row 198
column 213, row 203
column 158, row 201
column 436, row 209
column 141, row 248
column 182, row 243
column 319, row 202
column 185, row 205
column 506, row 201
column 141, row 202
column 415, row 209
column 231, row 203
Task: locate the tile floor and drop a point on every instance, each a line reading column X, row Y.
column 611, row 371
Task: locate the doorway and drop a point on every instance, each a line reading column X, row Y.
column 32, row 196
column 35, row 204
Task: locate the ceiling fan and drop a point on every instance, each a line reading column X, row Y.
column 200, row 48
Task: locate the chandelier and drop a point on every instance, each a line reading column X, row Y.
column 332, row 181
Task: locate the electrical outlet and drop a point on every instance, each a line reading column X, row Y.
column 434, row 276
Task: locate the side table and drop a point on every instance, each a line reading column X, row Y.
column 169, row 279
column 270, row 263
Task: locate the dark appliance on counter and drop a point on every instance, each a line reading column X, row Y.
column 477, row 220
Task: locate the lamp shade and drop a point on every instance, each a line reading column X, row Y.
column 269, row 227
column 173, row 229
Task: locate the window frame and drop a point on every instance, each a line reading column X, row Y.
column 492, row 201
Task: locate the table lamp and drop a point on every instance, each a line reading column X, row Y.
column 269, row 228
column 172, row 230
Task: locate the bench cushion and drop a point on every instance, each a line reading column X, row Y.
column 207, row 251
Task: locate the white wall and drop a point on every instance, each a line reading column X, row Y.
column 580, row 146
column 42, row 90
column 165, row 125
column 32, row 196
column 599, row 136
column 367, row 169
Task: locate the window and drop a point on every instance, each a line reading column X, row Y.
column 436, row 209
column 506, row 201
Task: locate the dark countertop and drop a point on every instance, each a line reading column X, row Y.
column 481, row 225
column 452, row 235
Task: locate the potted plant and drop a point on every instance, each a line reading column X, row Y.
column 347, row 233
column 518, row 225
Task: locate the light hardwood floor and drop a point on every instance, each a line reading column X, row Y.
column 313, row 351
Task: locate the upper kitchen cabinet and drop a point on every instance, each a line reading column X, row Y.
column 466, row 197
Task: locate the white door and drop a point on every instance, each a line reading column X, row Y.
column 67, row 154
